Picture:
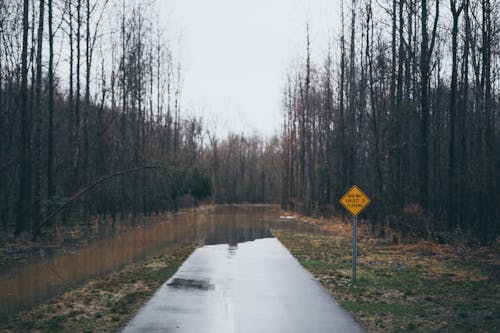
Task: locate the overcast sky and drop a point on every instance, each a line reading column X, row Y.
column 235, row 55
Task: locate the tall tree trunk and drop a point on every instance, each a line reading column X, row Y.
column 488, row 183
column 73, row 120
column 86, row 111
column 102, row 142
column 24, row 176
column 2, row 114
column 76, row 158
column 50, row 139
column 342, row 143
column 452, row 209
column 408, row 100
column 463, row 212
column 351, row 155
column 375, row 121
column 328, row 129
column 399, row 151
column 409, row 51
column 424, row 77
column 3, row 201
column 425, row 58
column 123, row 131
column 37, row 208
column 393, row 112
column 307, row 133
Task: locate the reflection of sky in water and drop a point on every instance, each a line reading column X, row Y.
column 26, row 284
column 233, row 231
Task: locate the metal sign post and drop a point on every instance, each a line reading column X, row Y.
column 354, row 247
column 355, row 201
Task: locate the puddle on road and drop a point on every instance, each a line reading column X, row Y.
column 27, row 284
column 181, row 283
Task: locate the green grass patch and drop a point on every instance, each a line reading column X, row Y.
column 378, row 307
column 320, row 264
column 163, row 274
column 402, row 289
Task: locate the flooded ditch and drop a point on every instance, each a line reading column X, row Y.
column 30, row 283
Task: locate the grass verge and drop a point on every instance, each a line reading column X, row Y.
column 416, row 287
column 103, row 304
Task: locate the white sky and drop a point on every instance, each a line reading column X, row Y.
column 235, row 55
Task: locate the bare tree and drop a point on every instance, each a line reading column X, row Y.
column 452, row 210
column 37, row 208
column 426, row 48
column 50, row 135
column 23, row 206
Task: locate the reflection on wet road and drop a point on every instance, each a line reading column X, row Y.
column 25, row 284
column 254, row 286
column 241, row 280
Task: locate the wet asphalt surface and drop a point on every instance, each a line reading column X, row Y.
column 253, row 286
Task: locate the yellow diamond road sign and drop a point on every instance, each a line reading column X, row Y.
column 355, row 200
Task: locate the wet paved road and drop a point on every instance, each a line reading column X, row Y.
column 255, row 286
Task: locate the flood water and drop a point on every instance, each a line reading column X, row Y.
column 28, row 284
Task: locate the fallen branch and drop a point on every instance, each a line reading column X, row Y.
column 84, row 190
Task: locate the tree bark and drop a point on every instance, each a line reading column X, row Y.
column 37, row 208
column 452, row 210
column 307, row 135
column 425, row 57
column 50, row 139
column 342, row 143
column 351, row 143
column 76, row 158
column 24, row 175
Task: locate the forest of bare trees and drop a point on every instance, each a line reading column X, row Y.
column 245, row 169
column 91, row 129
column 90, row 116
column 404, row 104
column 410, row 116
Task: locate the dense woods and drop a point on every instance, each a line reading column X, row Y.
column 90, row 95
column 410, row 116
column 91, row 124
column 245, row 169
column 404, row 104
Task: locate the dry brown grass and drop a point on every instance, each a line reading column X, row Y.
column 103, row 304
column 404, row 283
